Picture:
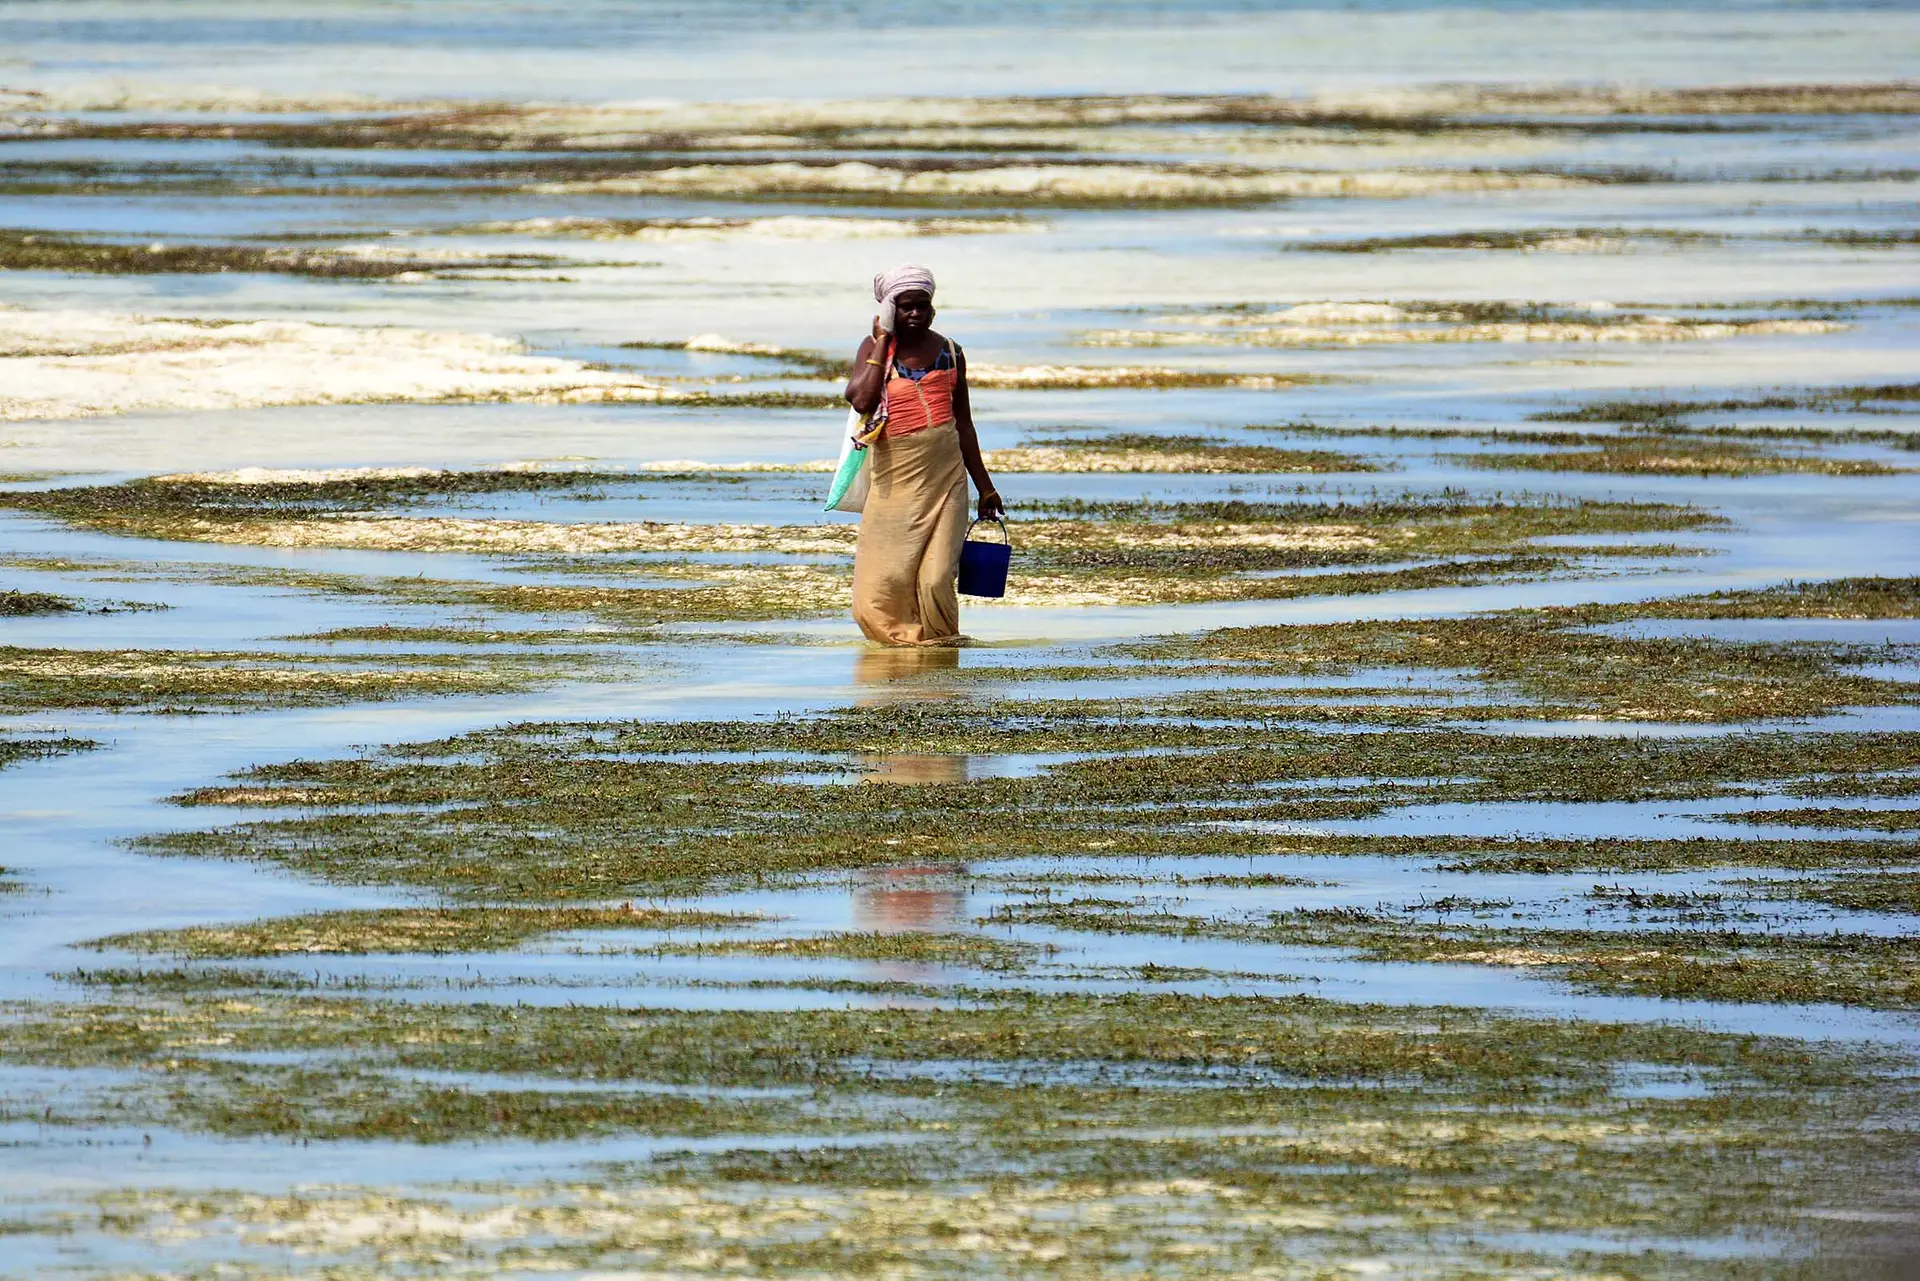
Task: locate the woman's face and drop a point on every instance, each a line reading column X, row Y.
column 913, row 311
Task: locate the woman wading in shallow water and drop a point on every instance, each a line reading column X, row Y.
column 916, row 512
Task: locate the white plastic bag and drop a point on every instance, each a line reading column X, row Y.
column 853, row 477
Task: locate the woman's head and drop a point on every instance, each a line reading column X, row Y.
column 913, row 311
column 910, row 290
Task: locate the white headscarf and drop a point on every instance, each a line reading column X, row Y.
column 894, row 281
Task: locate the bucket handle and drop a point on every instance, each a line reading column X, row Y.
column 1004, row 535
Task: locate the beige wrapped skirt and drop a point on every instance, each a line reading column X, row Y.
column 908, row 558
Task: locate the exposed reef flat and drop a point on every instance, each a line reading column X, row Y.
column 1075, row 552
column 778, row 227
column 1094, row 184
column 1376, row 323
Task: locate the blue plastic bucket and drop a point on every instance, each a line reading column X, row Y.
column 983, row 566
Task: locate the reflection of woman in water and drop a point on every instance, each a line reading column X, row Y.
column 916, row 512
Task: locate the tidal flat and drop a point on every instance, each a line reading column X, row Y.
column 1077, row 552
column 1438, row 799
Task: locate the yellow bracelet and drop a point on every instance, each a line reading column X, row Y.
column 876, row 362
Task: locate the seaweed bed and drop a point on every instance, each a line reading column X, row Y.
column 39, row 679
column 1180, row 1117
column 1574, row 940
column 28, row 749
column 17, row 604
column 598, row 931
column 46, row 251
column 1074, row 552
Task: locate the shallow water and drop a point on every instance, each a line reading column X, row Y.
column 1702, row 214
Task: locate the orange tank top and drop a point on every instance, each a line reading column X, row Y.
column 915, row 404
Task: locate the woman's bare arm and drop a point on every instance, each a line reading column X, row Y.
column 869, row 381
column 991, row 508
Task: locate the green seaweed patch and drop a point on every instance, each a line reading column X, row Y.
column 1016, row 123
column 735, row 594
column 1727, row 965
column 1523, row 239
column 184, row 680
column 433, row 930
column 1858, row 239
column 1636, row 905
column 337, row 1103
column 1089, row 1181
column 1671, row 456
column 1891, row 439
column 1246, row 881
column 1094, row 553
column 1369, row 322
column 1064, row 563
column 333, row 1106
column 1836, row 598
column 1889, row 892
column 1851, row 399
column 194, row 979
column 1549, row 856
column 764, row 400
column 796, row 360
column 658, row 594
column 1556, row 669
column 1830, row 816
column 1191, row 575
column 52, row 251
column 1301, row 1037
column 1600, row 239
column 1881, row 785
column 568, row 812
column 1139, row 452
column 16, row 604
column 1627, row 435
column 396, row 634
column 974, row 951
column 1127, row 551
column 1363, row 1077
column 640, row 598
column 165, row 506
column 1485, row 522
column 13, row 750
column 1509, row 436
column 1005, row 1133
column 1713, row 964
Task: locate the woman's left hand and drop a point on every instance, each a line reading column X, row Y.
column 991, row 508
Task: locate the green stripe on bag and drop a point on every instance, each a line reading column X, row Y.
column 843, row 479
